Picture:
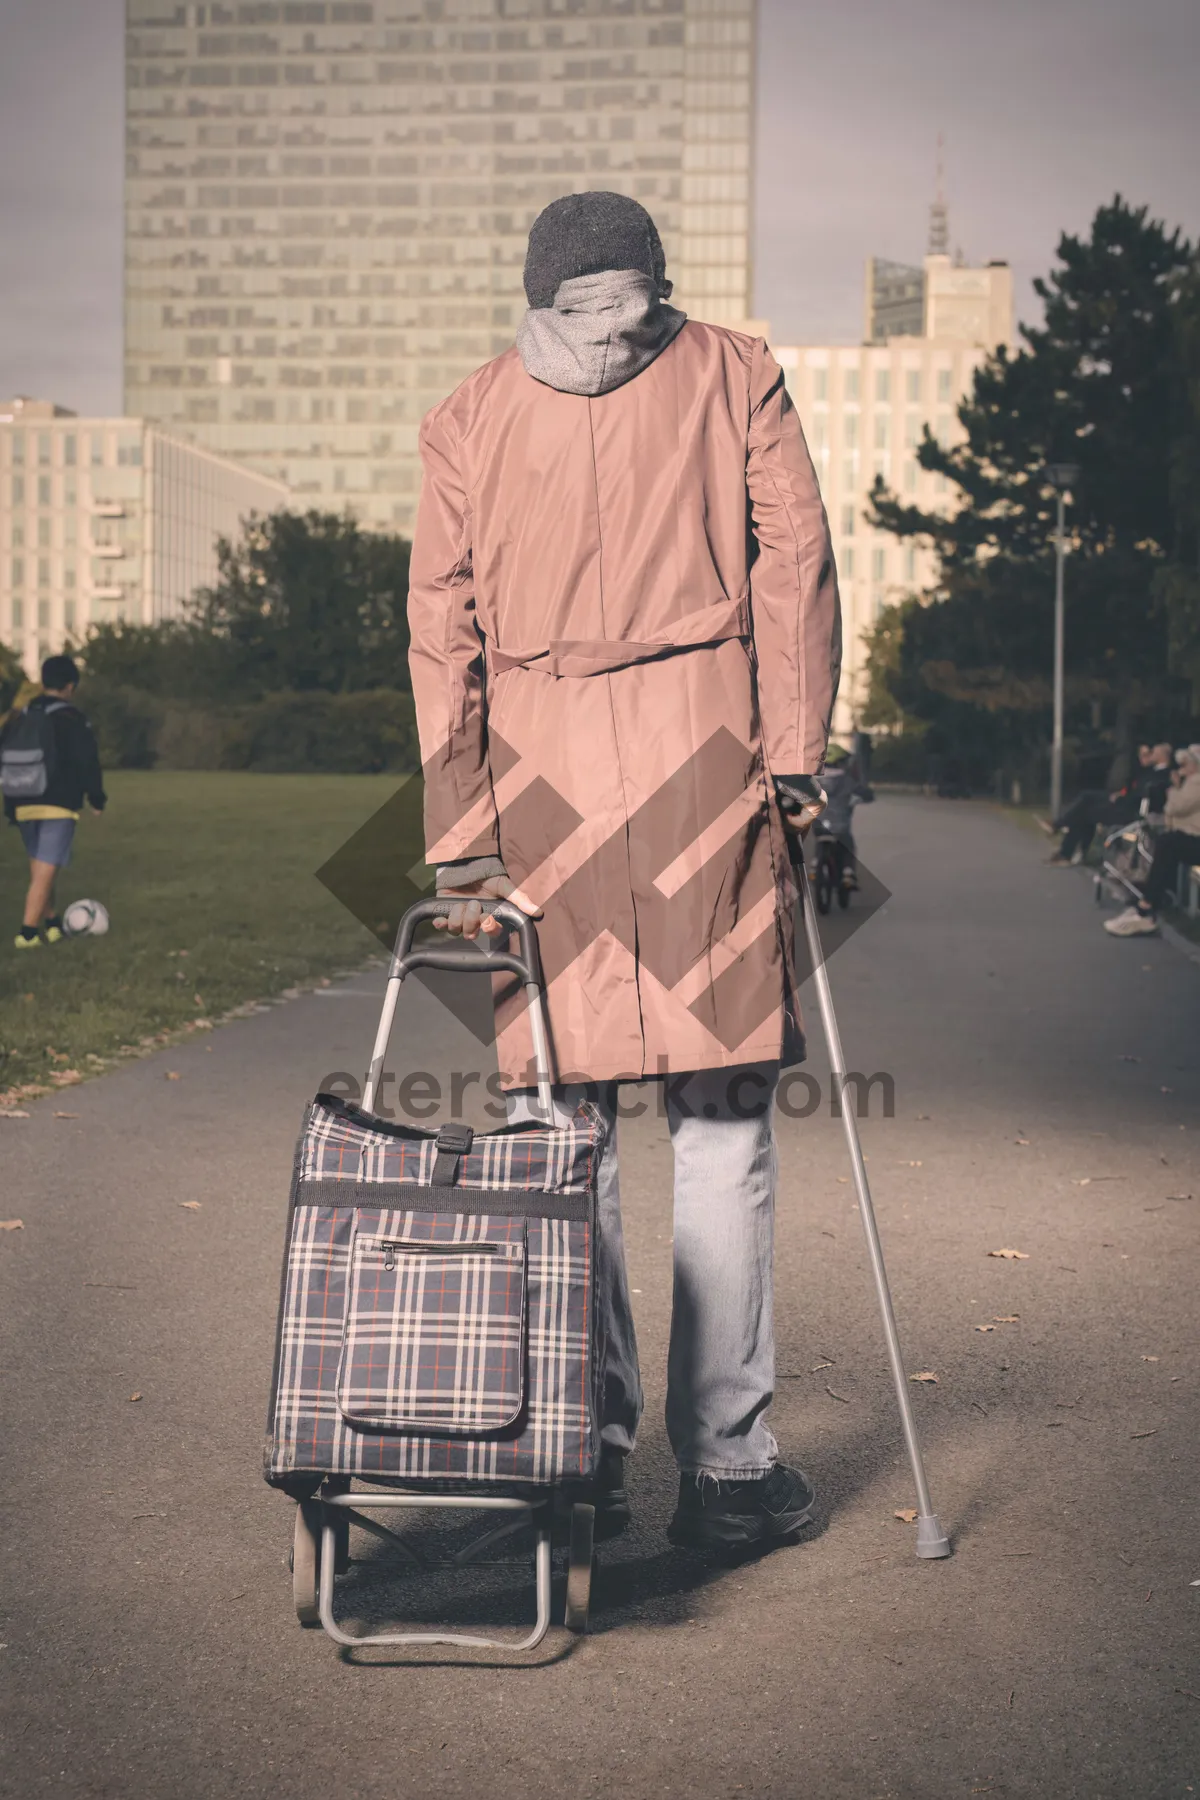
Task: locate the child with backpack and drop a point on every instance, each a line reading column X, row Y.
column 49, row 765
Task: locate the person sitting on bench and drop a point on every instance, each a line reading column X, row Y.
column 1178, row 845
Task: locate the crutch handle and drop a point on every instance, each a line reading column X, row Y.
column 478, row 959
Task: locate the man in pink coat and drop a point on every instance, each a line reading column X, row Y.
column 625, row 651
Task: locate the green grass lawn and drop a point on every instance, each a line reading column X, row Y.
column 210, row 883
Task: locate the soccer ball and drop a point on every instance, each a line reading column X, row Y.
column 85, row 918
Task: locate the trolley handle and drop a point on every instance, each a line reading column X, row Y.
column 481, row 959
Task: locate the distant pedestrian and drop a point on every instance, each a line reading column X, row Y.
column 49, row 765
column 1179, row 844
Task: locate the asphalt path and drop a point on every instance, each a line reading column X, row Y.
column 1045, row 1101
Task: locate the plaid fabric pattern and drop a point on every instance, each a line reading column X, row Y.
column 553, row 1433
column 337, row 1146
column 434, row 1337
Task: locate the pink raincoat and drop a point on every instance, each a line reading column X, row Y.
column 625, row 621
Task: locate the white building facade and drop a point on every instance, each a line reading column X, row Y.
column 327, row 205
column 108, row 519
column 864, row 408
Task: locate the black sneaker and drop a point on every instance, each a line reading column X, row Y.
column 736, row 1515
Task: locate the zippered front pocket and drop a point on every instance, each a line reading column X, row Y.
column 434, row 1335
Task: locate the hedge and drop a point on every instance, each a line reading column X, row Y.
column 286, row 733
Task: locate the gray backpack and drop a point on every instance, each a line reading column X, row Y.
column 27, row 753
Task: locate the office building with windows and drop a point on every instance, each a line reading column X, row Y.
column 107, row 519
column 327, row 204
column 865, row 408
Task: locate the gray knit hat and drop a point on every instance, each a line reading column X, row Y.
column 587, row 234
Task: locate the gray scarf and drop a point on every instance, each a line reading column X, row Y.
column 601, row 331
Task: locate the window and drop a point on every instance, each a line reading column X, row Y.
column 820, row 384
column 878, row 565
column 18, row 490
column 43, row 490
column 44, row 448
column 18, row 571
column 129, row 454
column 97, row 450
column 912, row 429
column 850, row 470
column 43, row 614
column 68, row 615
column 43, row 533
column 848, row 520
column 882, row 431
column 943, row 430
column 850, row 431
column 848, row 562
column 850, row 385
column 18, row 615
column 943, row 384
column 910, row 564
column 18, row 533
column 883, row 386
column 69, row 449
column 43, row 571
column 18, row 448
column 912, row 386
column 910, row 477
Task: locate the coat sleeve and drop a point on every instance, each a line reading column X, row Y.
column 795, row 611
column 446, row 658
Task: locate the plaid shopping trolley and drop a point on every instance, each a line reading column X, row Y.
column 437, row 1342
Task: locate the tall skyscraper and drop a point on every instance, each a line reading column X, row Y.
column 327, row 203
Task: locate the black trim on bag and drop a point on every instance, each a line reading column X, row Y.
column 415, row 1196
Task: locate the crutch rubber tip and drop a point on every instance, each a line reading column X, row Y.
column 931, row 1539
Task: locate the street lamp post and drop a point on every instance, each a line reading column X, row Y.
column 1061, row 477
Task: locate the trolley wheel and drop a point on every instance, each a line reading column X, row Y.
column 824, row 882
column 306, row 1561
column 843, row 895
column 579, row 1571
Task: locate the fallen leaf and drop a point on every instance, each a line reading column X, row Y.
column 1006, row 1318
column 817, row 1367
column 135, row 1396
column 1021, row 1140
column 1149, row 1359
column 834, row 1396
column 985, row 1328
column 1143, row 1434
column 1085, row 1181
column 1011, row 1255
column 173, row 1075
column 924, row 1375
column 194, row 1206
column 13, row 1112
column 64, row 1115
column 65, row 1077
column 12, row 1224
column 907, row 1515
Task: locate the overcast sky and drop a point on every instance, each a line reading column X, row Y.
column 1048, row 107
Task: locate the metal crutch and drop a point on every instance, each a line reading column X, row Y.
column 931, row 1539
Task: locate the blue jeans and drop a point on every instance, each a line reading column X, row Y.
column 721, row 1361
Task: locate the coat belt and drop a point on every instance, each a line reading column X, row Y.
column 596, row 656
